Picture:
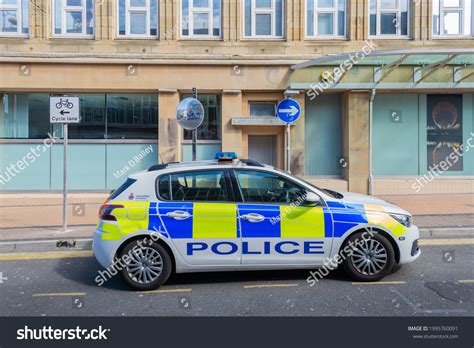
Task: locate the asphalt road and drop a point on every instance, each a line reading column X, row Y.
column 440, row 283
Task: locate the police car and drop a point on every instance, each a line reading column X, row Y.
column 229, row 214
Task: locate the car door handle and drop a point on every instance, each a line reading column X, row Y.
column 253, row 217
column 178, row 215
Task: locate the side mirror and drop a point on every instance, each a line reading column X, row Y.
column 312, row 198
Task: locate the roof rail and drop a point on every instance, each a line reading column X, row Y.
column 247, row 162
column 252, row 163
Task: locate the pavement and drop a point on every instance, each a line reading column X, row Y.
column 439, row 283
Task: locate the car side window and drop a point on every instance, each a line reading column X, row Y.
column 264, row 187
column 200, row 186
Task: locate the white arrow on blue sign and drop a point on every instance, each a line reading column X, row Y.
column 288, row 110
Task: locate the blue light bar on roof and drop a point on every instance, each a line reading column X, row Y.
column 225, row 156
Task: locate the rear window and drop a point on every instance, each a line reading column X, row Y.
column 122, row 188
column 206, row 186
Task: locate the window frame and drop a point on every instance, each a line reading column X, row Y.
column 250, row 102
column 333, row 10
column 230, row 190
column 240, row 195
column 379, row 11
column 64, row 10
column 128, row 9
column 191, row 11
column 18, row 8
column 254, row 11
column 462, row 10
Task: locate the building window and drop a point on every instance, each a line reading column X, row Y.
column 263, row 18
column 326, row 18
column 257, row 109
column 389, row 18
column 13, row 17
column 453, row 18
column 73, row 18
column 201, row 18
column 117, row 116
column 138, row 18
column 210, row 129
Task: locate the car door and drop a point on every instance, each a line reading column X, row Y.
column 276, row 224
column 199, row 215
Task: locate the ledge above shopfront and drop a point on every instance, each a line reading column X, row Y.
column 418, row 69
column 257, row 121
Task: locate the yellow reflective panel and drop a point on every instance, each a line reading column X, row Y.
column 133, row 217
column 214, row 220
column 112, row 230
column 385, row 220
column 302, row 222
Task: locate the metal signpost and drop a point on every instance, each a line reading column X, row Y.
column 64, row 110
column 190, row 114
column 288, row 110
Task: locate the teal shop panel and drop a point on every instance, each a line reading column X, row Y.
column 395, row 134
column 323, row 135
column 126, row 159
column 86, row 167
column 203, row 151
column 24, row 166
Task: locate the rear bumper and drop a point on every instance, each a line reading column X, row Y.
column 408, row 244
column 104, row 250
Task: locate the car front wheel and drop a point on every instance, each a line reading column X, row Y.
column 369, row 259
column 147, row 265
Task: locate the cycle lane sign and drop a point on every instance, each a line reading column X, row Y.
column 64, row 110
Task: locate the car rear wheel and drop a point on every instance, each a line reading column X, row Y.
column 147, row 265
column 370, row 259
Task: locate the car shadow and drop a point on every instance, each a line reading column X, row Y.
column 87, row 272
column 250, row 276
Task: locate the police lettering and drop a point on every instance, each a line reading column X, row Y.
column 287, row 247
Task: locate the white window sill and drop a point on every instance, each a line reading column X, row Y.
column 389, row 37
column 453, row 37
column 326, row 38
column 125, row 37
column 199, row 38
column 79, row 37
column 263, row 38
column 3, row 36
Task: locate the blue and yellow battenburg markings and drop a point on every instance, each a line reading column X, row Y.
column 347, row 216
column 223, row 220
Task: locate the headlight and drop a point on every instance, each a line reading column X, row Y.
column 405, row 220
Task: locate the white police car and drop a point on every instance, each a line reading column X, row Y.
column 229, row 214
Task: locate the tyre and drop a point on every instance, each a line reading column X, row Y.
column 147, row 265
column 371, row 259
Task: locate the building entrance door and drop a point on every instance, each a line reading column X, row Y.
column 262, row 148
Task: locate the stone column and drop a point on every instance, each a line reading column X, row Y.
column 169, row 132
column 356, row 140
column 231, row 135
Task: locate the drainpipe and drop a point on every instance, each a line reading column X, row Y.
column 371, row 108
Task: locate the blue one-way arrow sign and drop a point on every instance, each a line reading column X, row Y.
column 288, row 110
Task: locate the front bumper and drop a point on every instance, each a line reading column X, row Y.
column 104, row 250
column 408, row 245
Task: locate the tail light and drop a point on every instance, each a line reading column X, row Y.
column 105, row 211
